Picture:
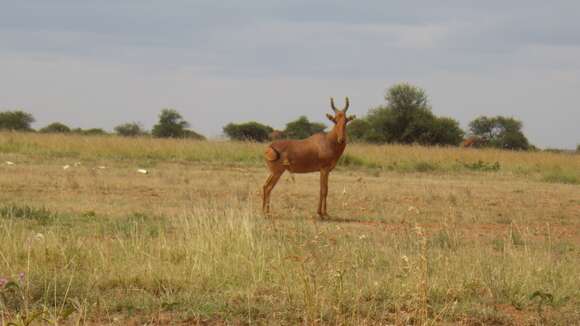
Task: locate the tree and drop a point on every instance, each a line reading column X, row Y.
column 252, row 130
column 172, row 125
column 16, row 120
column 358, row 129
column 514, row 140
column 483, row 127
column 382, row 125
column 499, row 132
column 130, row 129
column 409, row 105
column 302, row 128
column 405, row 99
column 446, row 131
column 407, row 119
column 419, row 128
column 410, row 113
column 56, row 127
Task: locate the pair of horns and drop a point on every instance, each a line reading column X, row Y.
column 334, row 107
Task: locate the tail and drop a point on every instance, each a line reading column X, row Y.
column 272, row 154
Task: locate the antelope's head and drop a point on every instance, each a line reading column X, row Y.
column 340, row 119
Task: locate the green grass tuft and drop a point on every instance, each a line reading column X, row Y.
column 559, row 176
column 350, row 160
column 41, row 215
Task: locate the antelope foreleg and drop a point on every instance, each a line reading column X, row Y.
column 323, row 193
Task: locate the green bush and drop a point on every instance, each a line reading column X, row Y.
column 406, row 119
column 172, row 125
column 357, row 130
column 16, row 120
column 56, row 127
column 481, row 166
column 499, row 132
column 252, row 130
column 302, row 128
column 90, row 131
column 130, row 129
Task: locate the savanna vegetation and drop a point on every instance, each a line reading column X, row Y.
column 130, row 129
column 499, row 132
column 418, row 235
column 55, row 127
column 405, row 118
column 16, row 120
column 248, row 131
column 164, row 227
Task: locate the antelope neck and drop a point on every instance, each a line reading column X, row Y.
column 333, row 135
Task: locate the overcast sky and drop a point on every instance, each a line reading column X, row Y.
column 102, row 63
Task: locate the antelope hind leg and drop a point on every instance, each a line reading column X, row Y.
column 267, row 190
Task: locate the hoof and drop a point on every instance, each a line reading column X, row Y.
column 322, row 216
column 267, row 215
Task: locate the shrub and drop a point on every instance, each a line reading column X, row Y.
column 499, row 132
column 56, row 127
column 445, row 131
column 481, row 166
column 129, row 129
column 406, row 119
column 358, row 129
column 252, row 130
column 90, row 131
column 302, row 128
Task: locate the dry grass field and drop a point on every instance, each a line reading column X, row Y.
column 417, row 235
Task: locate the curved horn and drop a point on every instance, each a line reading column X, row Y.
column 332, row 105
column 346, row 105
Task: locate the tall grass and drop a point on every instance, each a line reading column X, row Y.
column 463, row 239
column 400, row 158
column 221, row 264
column 120, row 148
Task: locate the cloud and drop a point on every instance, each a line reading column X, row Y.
column 273, row 60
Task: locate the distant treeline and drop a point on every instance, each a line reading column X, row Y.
column 405, row 118
column 170, row 125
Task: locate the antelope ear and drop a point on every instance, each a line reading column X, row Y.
column 330, row 117
column 350, row 118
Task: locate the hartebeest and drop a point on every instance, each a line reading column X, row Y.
column 474, row 141
column 319, row 152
